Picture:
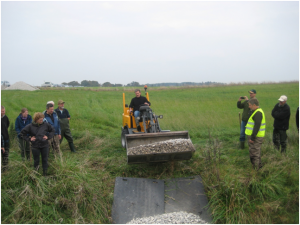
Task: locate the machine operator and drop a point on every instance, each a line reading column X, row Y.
column 135, row 104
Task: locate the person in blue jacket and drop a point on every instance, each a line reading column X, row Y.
column 22, row 121
column 52, row 118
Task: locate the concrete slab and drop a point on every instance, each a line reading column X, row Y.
column 136, row 198
column 186, row 194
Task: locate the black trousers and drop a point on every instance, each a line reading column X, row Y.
column 5, row 155
column 280, row 139
column 36, row 152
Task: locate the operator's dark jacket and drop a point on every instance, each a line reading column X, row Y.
column 136, row 102
column 281, row 115
column 19, row 124
column 38, row 130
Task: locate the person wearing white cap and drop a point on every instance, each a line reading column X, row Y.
column 50, row 102
column 281, row 114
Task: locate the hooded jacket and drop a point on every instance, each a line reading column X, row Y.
column 38, row 130
column 281, row 115
column 20, row 124
column 55, row 124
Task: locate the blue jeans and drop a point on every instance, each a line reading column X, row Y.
column 136, row 113
column 243, row 128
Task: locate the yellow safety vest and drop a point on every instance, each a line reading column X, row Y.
column 250, row 124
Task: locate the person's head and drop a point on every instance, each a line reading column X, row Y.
column 252, row 93
column 253, row 104
column 137, row 93
column 24, row 112
column 50, row 108
column 2, row 111
column 282, row 100
column 60, row 104
column 38, row 117
column 50, row 102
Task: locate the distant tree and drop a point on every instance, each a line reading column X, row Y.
column 107, row 84
column 64, row 83
column 73, row 83
column 90, row 83
column 118, row 85
column 134, row 84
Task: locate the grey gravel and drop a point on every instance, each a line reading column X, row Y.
column 170, row 218
column 21, row 86
column 169, row 146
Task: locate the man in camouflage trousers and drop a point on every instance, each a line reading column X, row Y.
column 255, row 130
column 64, row 117
column 245, row 116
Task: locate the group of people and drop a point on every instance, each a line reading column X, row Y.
column 50, row 127
column 253, row 125
column 41, row 132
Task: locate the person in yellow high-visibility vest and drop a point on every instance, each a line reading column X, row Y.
column 255, row 130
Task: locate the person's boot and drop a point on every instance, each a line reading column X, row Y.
column 45, row 172
column 72, row 147
column 242, row 144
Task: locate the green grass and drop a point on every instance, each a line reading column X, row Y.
column 79, row 188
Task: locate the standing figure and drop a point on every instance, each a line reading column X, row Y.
column 64, row 117
column 297, row 119
column 4, row 133
column 22, row 121
column 255, row 130
column 245, row 106
column 135, row 104
column 52, row 118
column 40, row 132
column 281, row 114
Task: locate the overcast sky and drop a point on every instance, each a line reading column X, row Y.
column 149, row 42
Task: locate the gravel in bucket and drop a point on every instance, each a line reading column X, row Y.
column 169, row 146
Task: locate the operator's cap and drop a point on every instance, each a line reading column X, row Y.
column 252, row 91
column 60, row 102
column 50, row 102
column 282, row 98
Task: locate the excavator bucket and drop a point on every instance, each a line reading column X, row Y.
column 158, row 147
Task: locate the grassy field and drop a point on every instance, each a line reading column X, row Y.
column 79, row 188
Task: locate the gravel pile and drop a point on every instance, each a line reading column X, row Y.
column 21, row 86
column 170, row 218
column 170, row 146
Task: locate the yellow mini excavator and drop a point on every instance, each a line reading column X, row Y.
column 150, row 143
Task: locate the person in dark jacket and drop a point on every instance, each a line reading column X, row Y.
column 245, row 116
column 40, row 133
column 297, row 119
column 52, row 118
column 64, row 117
column 281, row 114
column 135, row 105
column 4, row 133
column 22, row 121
